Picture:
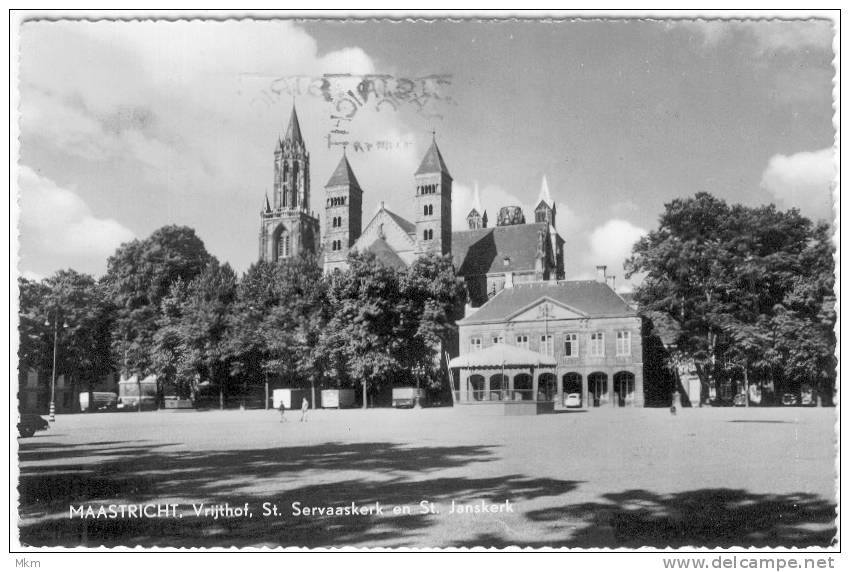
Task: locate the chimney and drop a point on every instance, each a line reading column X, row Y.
column 611, row 280
column 601, row 274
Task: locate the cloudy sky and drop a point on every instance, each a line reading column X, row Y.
column 129, row 126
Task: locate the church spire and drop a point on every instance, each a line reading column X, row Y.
column 433, row 161
column 545, row 209
column 293, row 130
column 545, row 197
column 477, row 217
column 343, row 174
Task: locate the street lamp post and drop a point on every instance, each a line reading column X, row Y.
column 52, row 412
column 418, row 371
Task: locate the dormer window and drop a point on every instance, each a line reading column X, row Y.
column 506, row 261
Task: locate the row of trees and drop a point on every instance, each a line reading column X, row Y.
column 741, row 291
column 734, row 290
column 167, row 307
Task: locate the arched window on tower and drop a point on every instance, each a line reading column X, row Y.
column 294, row 186
column 282, row 245
column 281, row 190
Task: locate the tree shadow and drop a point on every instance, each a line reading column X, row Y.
column 704, row 517
column 398, row 476
column 337, row 474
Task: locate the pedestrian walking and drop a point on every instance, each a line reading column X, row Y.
column 282, row 411
column 304, row 407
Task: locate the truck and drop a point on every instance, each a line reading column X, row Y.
column 405, row 396
column 133, row 392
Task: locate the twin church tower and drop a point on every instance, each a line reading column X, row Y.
column 288, row 227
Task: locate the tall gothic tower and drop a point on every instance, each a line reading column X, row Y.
column 287, row 227
column 343, row 215
column 433, row 203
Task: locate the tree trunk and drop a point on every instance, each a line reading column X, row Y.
column 221, row 397
column 365, row 397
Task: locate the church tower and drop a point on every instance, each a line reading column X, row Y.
column 433, row 203
column 477, row 217
column 343, row 215
column 545, row 209
column 287, row 227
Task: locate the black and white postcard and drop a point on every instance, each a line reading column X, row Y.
column 440, row 281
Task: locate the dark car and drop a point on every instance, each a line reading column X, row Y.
column 789, row 399
column 30, row 423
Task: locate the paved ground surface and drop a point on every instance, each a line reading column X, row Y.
column 609, row 478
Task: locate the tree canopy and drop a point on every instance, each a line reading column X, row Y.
column 167, row 307
column 738, row 286
column 139, row 276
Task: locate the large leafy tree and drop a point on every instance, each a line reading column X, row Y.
column 366, row 331
column 72, row 310
column 34, row 346
column 733, row 284
column 280, row 312
column 432, row 300
column 139, row 276
column 388, row 326
column 195, row 333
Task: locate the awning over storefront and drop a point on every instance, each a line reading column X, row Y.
column 502, row 355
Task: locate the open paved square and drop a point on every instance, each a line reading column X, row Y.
column 600, row 478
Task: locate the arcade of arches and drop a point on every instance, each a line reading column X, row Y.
column 595, row 389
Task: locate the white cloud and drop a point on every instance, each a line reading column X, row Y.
column 193, row 109
column 766, row 36
column 57, row 221
column 804, row 180
column 81, row 81
column 610, row 244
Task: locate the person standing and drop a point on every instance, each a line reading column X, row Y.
column 304, row 406
column 282, row 411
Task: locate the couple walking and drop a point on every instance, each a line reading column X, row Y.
column 304, row 407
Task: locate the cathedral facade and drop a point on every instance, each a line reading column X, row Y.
column 487, row 258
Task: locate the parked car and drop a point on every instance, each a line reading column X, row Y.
column 789, row 399
column 29, row 423
column 740, row 400
column 572, row 400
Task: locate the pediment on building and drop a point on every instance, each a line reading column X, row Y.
column 546, row 309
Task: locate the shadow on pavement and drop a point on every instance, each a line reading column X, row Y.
column 52, row 479
column 704, row 517
column 126, row 473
